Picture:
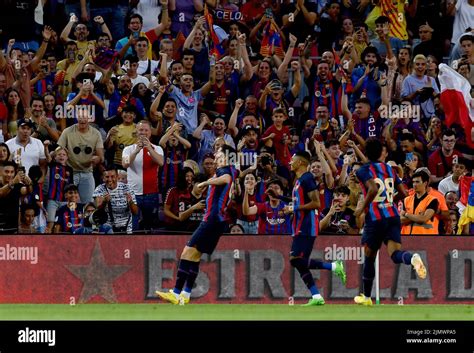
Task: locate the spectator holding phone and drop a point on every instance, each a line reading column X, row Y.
column 339, row 219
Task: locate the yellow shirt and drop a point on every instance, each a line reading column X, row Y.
column 395, row 11
column 66, row 87
column 126, row 136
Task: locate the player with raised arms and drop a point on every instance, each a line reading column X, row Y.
column 305, row 227
column 206, row 236
column 382, row 221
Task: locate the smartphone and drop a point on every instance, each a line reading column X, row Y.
column 45, row 69
column 71, row 55
column 22, row 169
column 127, row 64
column 409, row 157
column 17, row 64
column 269, row 13
column 86, row 81
column 136, row 35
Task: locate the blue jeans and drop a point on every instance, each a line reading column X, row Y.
column 114, row 17
column 86, row 185
column 148, row 206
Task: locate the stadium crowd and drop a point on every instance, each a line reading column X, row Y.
column 111, row 111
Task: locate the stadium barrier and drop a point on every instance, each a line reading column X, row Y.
column 243, row 269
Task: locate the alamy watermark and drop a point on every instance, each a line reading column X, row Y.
column 344, row 253
column 400, row 111
column 19, row 253
column 67, row 111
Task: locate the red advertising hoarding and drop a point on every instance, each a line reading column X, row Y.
column 243, row 269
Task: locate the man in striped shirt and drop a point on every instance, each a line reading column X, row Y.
column 206, row 237
column 382, row 221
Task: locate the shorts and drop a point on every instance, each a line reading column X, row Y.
column 378, row 232
column 302, row 246
column 207, row 235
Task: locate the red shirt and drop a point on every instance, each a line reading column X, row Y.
column 177, row 200
column 282, row 152
column 240, row 215
column 436, row 165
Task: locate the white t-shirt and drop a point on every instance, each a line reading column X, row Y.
column 29, row 155
column 142, row 174
column 463, row 19
column 143, row 66
column 447, row 184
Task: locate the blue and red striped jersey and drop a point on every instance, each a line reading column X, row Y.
column 304, row 222
column 59, row 177
column 218, row 196
column 69, row 220
column 271, row 221
column 386, row 180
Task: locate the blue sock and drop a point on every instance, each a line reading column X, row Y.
column 368, row 275
column 182, row 276
column 315, row 264
column 401, row 257
column 314, row 290
column 193, row 273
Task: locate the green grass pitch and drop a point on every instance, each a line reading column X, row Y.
column 271, row 312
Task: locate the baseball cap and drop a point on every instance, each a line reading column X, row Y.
column 276, row 84
column 26, row 122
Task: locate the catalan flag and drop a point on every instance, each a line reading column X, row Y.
column 215, row 48
column 271, row 41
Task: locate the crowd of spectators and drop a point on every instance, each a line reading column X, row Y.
column 111, row 110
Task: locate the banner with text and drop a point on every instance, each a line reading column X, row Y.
column 243, row 269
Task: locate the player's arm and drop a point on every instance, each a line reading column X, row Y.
column 313, row 204
column 372, row 190
column 196, row 207
column 222, row 180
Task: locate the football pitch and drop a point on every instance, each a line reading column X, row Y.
column 233, row 312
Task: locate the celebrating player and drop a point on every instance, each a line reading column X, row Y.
column 305, row 227
column 382, row 221
column 206, row 237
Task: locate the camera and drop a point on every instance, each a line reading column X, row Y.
column 96, row 219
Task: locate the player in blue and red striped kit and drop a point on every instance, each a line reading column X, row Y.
column 305, row 227
column 206, row 237
column 382, row 221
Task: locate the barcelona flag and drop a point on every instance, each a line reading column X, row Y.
column 215, row 48
column 271, row 41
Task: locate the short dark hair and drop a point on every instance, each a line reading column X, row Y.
column 363, row 101
column 36, row 97
column 303, row 154
column 110, row 168
column 424, row 177
column 342, row 189
column 10, row 164
column 448, row 132
column 275, row 181
column 407, row 137
column 382, row 20
column 132, row 58
column 70, row 187
column 135, row 15
column 279, row 110
column 373, row 148
column 188, row 52
column 331, row 142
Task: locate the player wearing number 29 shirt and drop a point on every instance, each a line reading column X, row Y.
column 382, row 221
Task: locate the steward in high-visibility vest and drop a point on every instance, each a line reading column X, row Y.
column 418, row 216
